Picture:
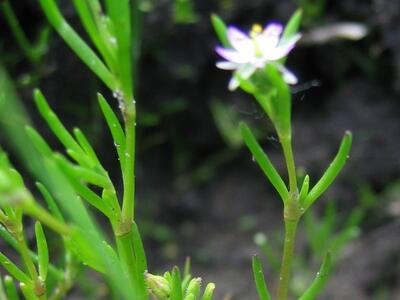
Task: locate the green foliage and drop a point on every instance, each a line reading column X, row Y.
column 263, row 161
column 319, row 281
column 34, row 52
column 184, row 12
column 330, row 174
column 225, row 118
column 262, row 289
column 220, row 29
column 174, row 286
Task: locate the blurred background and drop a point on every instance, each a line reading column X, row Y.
column 199, row 192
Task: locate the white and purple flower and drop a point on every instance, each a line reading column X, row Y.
column 253, row 51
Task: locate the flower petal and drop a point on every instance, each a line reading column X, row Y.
column 246, row 71
column 227, row 65
column 269, row 38
column 281, row 50
column 240, row 41
column 233, row 84
column 288, row 76
column 232, row 55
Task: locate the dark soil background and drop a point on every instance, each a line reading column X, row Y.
column 212, row 215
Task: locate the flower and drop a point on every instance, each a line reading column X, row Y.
column 253, row 51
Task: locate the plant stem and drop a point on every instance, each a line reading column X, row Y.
column 128, row 172
column 286, row 143
column 292, row 215
column 288, row 249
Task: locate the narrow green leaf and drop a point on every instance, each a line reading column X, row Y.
column 209, row 292
column 84, row 251
column 293, row 25
column 54, row 122
column 43, row 251
column 51, row 203
column 281, row 101
column 193, row 287
column 86, row 193
column 115, row 128
column 291, row 29
column 220, row 29
column 264, row 162
column 39, row 143
column 259, row 279
column 81, row 49
column 82, row 160
column 140, row 253
column 304, row 189
column 332, row 171
column 190, row 297
column 3, row 295
column 84, row 143
column 320, row 280
column 176, row 287
column 88, row 19
column 265, row 246
column 11, row 268
column 120, row 14
column 27, row 291
column 5, row 235
column 87, row 175
column 187, row 267
column 10, row 288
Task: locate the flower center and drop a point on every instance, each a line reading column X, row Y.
column 256, row 30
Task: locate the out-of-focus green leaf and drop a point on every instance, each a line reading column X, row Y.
column 209, row 291
column 293, row 25
column 292, row 28
column 81, row 49
column 11, row 268
column 10, row 288
column 184, row 12
column 176, row 287
column 27, row 291
column 221, row 29
column 51, row 203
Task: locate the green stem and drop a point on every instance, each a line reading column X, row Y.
column 128, row 172
column 286, row 143
column 288, row 250
column 292, row 215
column 126, row 254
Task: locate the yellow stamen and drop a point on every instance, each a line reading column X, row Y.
column 255, row 30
